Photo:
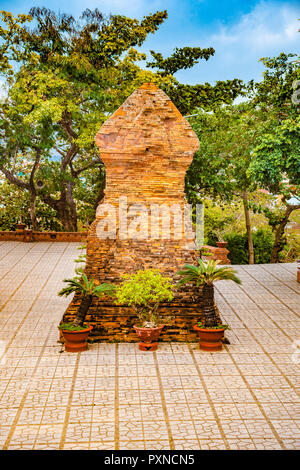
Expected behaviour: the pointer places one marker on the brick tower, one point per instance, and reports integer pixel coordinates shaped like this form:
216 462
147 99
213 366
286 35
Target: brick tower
146 147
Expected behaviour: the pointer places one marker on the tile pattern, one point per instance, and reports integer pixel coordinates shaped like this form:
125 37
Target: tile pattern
114 396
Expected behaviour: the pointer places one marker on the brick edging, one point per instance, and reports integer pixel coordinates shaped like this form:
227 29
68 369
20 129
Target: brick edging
32 236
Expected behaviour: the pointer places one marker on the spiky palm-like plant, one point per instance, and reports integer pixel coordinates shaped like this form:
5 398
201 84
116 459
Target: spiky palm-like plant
88 289
205 275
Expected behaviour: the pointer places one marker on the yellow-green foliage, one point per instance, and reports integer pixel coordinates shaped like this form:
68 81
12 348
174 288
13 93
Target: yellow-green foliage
146 288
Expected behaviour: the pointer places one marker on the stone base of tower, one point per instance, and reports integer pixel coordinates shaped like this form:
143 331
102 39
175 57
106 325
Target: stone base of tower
116 325
113 323
107 260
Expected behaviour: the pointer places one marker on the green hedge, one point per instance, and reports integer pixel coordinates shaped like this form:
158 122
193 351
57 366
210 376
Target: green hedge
238 247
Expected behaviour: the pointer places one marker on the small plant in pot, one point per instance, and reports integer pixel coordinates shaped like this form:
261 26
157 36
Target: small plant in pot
221 242
76 332
144 291
211 330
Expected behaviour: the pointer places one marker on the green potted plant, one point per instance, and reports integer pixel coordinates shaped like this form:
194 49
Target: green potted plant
144 291
221 243
211 330
76 332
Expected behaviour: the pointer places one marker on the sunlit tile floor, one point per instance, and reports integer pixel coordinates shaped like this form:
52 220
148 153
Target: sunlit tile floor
116 397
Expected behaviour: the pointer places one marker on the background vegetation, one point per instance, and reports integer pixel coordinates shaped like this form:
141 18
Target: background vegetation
65 76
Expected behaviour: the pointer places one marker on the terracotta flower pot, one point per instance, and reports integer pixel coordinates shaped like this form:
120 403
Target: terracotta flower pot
20 227
210 339
148 337
76 341
221 244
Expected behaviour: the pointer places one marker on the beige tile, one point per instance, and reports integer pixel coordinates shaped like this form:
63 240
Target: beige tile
46 389
212 444
186 444
131 430
183 430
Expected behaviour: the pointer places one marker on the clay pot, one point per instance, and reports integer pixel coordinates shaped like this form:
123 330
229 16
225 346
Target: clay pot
210 339
20 227
148 337
221 244
76 341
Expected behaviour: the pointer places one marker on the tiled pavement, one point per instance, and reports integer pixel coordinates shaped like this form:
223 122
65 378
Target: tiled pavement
116 397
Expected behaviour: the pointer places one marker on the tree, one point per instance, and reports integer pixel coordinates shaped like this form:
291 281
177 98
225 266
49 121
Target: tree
253 145
71 75
219 169
276 164
276 167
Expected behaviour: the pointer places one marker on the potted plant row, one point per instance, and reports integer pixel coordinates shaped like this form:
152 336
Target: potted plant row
144 291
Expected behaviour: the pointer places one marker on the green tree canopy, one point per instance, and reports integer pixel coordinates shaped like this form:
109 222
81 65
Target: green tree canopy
252 145
65 77
276 158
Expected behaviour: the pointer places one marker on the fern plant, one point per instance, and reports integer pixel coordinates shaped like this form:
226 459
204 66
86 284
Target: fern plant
205 275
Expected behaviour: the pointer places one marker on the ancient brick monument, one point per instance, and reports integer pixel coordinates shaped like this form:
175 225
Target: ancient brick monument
146 147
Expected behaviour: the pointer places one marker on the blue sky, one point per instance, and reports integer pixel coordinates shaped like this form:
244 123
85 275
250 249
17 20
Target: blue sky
240 31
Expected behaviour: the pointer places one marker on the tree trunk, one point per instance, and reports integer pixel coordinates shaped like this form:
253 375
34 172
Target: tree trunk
67 214
83 310
248 228
65 210
32 189
210 315
32 211
278 245
101 192
68 219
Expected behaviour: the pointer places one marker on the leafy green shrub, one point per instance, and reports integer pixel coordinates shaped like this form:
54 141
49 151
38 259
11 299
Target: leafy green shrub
291 250
238 247
144 291
8 221
263 241
71 327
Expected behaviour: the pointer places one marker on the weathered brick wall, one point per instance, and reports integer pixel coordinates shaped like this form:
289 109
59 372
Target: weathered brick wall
220 254
31 236
146 147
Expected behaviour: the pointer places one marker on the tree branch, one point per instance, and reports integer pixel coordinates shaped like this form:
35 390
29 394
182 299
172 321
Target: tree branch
34 168
59 151
76 173
66 125
14 180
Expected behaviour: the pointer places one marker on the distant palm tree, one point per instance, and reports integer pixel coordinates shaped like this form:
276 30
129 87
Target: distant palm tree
205 275
88 289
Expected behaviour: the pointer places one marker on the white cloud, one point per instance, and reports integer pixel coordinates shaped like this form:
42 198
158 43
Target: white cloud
267 30
267 25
